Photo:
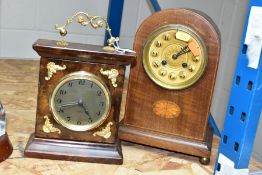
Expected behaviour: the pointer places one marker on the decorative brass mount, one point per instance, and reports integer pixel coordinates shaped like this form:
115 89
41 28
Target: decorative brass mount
112 75
105 132
95 21
48 127
53 68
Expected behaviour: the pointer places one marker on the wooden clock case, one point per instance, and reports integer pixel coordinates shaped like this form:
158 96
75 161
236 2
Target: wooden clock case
189 132
6 147
73 145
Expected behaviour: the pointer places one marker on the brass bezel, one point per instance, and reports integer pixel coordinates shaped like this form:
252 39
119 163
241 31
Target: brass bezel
90 77
174 86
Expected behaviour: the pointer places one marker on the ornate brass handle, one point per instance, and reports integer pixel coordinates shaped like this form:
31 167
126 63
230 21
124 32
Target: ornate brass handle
85 19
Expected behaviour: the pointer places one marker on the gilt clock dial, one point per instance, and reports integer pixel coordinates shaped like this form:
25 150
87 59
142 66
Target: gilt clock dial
174 56
80 101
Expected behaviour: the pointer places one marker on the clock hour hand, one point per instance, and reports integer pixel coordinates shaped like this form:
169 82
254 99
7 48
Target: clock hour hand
184 50
68 105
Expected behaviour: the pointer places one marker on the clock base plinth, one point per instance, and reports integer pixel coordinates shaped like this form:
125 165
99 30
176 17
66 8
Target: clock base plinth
74 151
168 142
6 147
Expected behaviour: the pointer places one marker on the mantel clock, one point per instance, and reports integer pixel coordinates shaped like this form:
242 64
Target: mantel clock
79 97
6 147
171 86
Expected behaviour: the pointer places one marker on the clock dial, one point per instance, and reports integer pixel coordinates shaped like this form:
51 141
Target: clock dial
174 57
80 101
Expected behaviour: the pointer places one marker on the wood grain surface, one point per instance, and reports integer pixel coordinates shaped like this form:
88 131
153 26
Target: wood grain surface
190 127
18 93
46 89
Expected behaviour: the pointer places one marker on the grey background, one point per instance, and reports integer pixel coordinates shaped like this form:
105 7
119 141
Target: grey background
24 21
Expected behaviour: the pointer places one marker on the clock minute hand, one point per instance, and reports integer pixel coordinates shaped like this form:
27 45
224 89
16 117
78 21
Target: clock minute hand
181 52
185 50
86 111
81 103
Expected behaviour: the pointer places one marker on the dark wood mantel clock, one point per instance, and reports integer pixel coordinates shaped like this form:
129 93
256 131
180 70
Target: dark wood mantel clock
171 86
6 147
79 97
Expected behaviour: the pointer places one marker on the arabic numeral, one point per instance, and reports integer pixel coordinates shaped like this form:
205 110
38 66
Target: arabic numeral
62 92
99 93
98 113
102 103
60 110
90 120
81 82
70 84
68 118
59 101
78 122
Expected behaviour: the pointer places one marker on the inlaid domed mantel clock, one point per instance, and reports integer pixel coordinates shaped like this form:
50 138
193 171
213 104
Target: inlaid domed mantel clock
171 86
79 96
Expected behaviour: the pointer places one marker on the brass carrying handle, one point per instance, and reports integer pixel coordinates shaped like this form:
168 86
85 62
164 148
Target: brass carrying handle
85 19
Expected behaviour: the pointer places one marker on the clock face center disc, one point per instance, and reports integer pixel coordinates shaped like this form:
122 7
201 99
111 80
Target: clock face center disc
173 61
174 56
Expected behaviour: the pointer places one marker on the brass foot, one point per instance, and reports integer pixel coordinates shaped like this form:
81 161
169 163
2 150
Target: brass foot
204 160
